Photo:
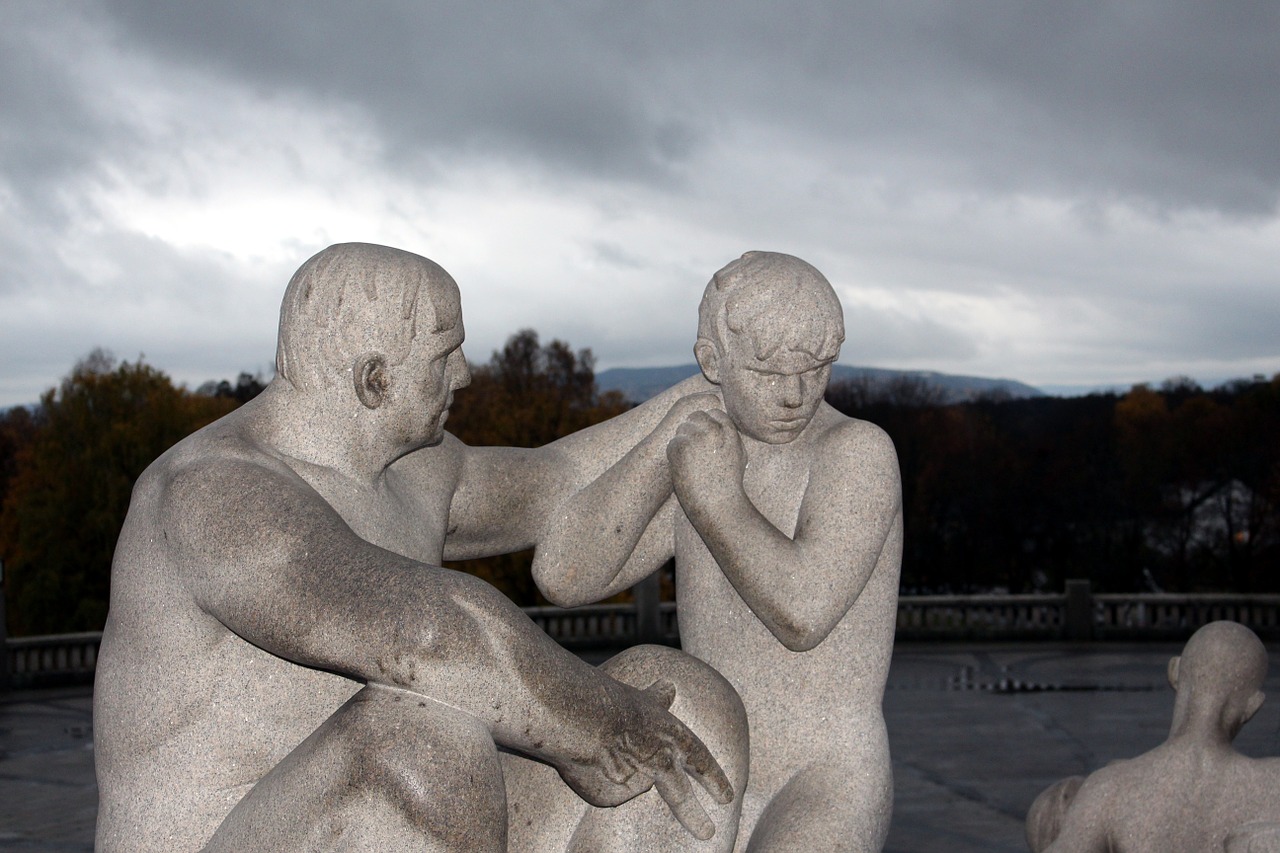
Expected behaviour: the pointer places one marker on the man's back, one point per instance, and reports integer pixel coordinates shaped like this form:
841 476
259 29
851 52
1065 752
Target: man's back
1170 799
191 714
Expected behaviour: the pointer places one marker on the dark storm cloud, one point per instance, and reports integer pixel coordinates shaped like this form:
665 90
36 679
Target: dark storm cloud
1164 105
549 83
51 130
1066 191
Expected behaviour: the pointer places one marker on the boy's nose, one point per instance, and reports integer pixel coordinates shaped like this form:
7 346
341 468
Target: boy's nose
791 392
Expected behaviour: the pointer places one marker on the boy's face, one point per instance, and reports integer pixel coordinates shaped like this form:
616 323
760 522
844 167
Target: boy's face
771 400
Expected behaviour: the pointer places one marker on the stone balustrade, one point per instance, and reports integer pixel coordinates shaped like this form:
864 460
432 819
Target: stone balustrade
1074 615
52 658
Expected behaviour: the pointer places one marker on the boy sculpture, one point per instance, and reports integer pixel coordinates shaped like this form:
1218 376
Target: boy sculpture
784 518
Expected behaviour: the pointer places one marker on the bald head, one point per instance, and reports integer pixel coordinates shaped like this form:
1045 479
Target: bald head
353 299
1223 657
1219 677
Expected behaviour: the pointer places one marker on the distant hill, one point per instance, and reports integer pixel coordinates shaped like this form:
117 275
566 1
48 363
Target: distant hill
640 383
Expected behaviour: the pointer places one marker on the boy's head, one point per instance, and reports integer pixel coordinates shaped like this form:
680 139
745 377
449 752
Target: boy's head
769 327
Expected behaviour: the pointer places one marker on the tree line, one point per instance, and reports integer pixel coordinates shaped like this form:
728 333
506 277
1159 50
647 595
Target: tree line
1174 488
67 465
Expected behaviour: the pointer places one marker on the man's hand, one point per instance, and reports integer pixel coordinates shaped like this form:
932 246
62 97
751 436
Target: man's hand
707 459
642 747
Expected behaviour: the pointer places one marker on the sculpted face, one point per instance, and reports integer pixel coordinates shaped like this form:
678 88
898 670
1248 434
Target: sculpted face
769 328
773 399
422 385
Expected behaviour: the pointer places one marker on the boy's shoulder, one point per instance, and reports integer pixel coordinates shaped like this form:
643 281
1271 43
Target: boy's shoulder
842 436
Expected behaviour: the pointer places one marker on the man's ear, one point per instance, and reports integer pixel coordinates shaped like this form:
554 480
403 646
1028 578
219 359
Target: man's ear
1173 672
708 359
371 379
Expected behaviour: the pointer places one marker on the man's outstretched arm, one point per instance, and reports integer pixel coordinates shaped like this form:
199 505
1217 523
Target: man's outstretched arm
294 580
800 586
617 529
585 500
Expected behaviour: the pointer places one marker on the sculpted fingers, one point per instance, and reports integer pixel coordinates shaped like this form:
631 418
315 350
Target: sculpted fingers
699 764
674 788
720 417
699 402
694 757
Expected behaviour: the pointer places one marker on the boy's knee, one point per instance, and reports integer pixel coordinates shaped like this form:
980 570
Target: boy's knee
705 701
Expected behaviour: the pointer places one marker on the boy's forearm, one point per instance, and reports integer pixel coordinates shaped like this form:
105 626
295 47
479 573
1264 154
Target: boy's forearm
798 588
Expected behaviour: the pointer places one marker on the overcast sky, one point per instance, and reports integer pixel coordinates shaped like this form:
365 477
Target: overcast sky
1064 193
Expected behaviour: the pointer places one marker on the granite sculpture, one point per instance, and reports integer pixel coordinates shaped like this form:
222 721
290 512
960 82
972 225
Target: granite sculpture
784 518
1194 792
285 666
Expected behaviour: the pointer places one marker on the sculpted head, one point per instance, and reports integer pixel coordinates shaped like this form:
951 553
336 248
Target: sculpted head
380 322
1219 675
769 328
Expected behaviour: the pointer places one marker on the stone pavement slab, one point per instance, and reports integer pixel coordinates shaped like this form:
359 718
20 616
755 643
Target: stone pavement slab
48 795
976 731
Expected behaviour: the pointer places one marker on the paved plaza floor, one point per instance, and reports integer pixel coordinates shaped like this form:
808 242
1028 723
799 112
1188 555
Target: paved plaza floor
977 731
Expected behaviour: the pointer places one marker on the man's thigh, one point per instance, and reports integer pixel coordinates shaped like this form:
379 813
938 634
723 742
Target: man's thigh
827 808
388 771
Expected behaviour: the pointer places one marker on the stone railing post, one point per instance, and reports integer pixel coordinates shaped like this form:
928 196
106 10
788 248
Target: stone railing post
648 621
4 637
1079 621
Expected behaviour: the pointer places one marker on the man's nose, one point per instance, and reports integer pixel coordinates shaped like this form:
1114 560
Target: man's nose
461 372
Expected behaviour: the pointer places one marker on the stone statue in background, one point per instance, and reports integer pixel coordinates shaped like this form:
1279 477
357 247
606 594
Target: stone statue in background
784 518
1044 818
1194 792
285 667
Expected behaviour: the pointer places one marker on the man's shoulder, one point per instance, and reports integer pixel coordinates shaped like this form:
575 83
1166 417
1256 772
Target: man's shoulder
1119 779
213 468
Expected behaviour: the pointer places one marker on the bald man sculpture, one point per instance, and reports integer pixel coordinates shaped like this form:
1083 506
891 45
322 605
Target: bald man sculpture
286 668
1194 792
784 518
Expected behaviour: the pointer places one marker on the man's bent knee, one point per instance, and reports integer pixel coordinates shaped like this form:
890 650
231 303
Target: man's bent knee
389 770
709 706
436 766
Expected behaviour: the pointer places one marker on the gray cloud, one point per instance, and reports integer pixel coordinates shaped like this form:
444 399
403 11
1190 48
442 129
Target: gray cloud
1053 191
1169 105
